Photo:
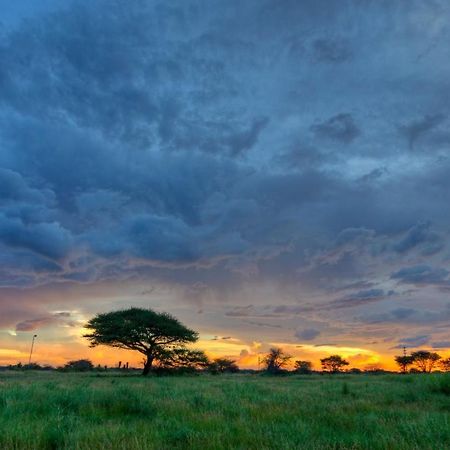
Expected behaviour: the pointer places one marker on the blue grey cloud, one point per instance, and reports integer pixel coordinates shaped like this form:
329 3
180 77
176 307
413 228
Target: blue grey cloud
421 274
420 234
441 345
414 130
341 127
362 298
232 144
307 334
414 341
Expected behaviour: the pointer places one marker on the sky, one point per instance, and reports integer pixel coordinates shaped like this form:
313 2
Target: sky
271 172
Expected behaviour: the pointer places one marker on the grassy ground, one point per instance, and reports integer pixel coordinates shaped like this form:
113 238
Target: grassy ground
75 411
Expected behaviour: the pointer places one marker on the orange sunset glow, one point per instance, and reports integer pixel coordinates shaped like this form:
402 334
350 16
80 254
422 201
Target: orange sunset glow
270 174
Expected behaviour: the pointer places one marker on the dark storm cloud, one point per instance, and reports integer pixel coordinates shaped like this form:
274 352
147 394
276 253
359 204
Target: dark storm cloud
341 128
422 275
47 239
301 156
13 188
420 234
414 341
332 50
374 175
409 316
414 130
361 298
307 334
221 144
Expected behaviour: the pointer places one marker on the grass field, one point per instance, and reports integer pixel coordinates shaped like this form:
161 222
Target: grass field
77 411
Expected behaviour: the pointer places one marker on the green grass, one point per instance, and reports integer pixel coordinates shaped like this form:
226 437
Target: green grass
78 411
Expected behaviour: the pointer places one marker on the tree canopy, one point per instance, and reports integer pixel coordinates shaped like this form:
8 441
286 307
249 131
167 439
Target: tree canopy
425 360
445 364
223 365
333 363
404 361
182 358
146 331
303 367
275 360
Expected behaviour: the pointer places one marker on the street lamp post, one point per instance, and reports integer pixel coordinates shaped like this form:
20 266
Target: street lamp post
31 350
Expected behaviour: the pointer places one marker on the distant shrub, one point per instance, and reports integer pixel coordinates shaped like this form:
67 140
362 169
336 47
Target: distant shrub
223 365
32 366
303 367
376 371
80 365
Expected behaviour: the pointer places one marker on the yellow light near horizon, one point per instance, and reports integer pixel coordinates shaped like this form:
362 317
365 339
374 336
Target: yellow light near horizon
246 354
7 352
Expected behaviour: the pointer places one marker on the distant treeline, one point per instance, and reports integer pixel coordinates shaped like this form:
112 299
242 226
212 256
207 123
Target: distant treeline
275 362
162 340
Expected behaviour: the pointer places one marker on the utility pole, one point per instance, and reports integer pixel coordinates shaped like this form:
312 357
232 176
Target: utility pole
31 350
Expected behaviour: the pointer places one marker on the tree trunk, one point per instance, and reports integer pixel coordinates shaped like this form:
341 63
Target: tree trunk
147 365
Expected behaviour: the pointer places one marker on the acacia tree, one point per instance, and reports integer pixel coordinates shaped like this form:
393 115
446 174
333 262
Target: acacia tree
425 360
275 360
404 361
333 363
445 364
146 331
222 365
303 367
183 358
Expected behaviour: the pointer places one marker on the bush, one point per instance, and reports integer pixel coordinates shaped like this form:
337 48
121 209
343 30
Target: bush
32 366
80 365
223 365
303 367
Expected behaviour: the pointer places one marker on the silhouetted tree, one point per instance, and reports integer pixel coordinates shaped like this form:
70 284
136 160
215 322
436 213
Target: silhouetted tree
143 330
80 365
404 361
182 358
303 367
222 365
445 364
275 360
425 360
333 363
